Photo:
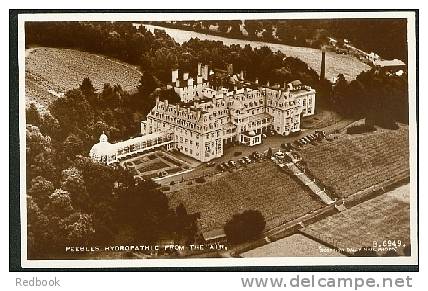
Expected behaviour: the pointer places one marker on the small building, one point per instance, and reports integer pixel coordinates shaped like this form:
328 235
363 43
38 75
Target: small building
391 66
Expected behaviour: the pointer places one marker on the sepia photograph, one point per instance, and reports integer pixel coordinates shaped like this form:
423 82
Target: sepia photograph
207 139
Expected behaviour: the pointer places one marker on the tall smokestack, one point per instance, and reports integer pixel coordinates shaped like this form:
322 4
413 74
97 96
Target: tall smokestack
199 69
322 75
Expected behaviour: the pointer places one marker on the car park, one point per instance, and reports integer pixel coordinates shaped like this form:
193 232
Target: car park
221 168
225 165
297 143
248 160
232 164
210 164
279 155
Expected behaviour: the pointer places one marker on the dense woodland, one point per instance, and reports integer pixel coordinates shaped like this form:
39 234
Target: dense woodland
74 201
386 37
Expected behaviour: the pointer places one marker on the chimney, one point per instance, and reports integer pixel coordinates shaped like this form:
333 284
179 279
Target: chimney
230 69
190 82
157 101
256 81
241 75
166 103
199 69
205 73
177 83
199 80
174 75
322 75
185 76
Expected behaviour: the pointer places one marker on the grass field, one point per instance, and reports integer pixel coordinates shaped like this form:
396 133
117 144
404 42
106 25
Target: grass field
261 186
296 245
352 163
335 63
386 217
50 72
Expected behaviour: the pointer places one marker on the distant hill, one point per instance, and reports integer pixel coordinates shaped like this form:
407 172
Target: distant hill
50 72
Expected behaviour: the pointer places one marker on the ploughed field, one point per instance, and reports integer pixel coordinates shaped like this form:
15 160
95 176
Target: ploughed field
351 163
259 186
384 219
50 72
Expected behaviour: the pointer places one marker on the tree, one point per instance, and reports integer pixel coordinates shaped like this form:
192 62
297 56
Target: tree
32 115
87 88
78 228
59 204
40 189
72 146
72 181
269 153
245 226
38 231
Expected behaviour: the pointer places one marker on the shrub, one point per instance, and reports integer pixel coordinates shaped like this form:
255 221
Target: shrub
361 128
200 180
165 188
245 226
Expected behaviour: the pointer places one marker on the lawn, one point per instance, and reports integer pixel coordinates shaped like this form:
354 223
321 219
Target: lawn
386 217
260 186
156 165
296 245
50 72
352 163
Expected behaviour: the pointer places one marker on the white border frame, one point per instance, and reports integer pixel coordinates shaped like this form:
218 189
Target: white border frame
222 262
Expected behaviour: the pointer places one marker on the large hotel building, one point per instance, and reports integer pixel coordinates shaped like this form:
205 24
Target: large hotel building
206 119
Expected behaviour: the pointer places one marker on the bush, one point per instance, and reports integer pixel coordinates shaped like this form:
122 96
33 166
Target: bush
245 226
172 183
165 188
200 180
360 128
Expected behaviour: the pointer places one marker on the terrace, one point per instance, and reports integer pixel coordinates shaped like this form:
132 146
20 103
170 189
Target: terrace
352 163
261 186
383 218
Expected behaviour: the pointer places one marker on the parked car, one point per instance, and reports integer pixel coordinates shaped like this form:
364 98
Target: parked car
242 162
248 160
279 155
210 164
225 165
256 155
221 168
232 163
162 174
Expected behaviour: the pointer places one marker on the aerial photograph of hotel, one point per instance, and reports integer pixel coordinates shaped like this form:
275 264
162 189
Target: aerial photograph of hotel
218 139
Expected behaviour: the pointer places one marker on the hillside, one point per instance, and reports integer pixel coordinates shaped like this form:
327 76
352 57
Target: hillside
352 163
50 72
260 186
